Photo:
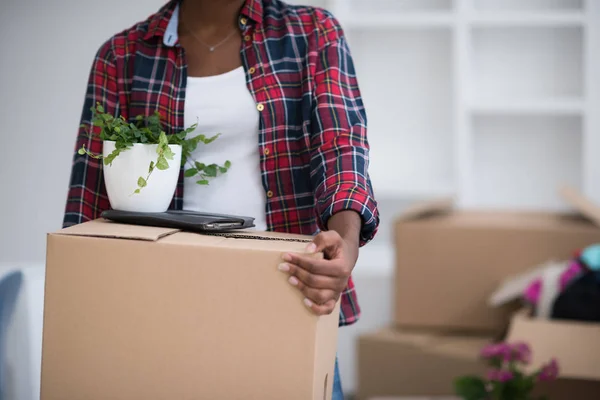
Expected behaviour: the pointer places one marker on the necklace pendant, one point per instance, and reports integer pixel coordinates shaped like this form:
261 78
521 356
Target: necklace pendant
211 49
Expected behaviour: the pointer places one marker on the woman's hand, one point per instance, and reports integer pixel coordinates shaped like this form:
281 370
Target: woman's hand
322 280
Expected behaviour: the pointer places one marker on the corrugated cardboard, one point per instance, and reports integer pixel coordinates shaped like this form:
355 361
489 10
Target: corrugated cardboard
402 363
150 313
574 345
448 262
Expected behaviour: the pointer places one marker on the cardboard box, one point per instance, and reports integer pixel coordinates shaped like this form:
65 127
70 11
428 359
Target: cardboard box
574 344
148 313
407 363
448 262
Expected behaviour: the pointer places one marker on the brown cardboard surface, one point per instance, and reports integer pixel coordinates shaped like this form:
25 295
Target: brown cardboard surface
573 344
402 363
178 316
448 264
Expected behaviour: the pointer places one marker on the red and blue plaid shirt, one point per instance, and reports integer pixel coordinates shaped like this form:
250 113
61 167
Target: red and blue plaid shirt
313 129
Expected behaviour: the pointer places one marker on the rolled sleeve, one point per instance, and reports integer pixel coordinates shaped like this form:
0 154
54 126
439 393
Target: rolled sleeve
339 145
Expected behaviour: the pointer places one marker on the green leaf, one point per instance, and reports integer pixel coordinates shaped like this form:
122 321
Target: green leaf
199 166
227 164
202 182
168 153
141 182
81 151
190 172
211 139
136 191
470 388
162 163
100 108
222 170
211 170
151 167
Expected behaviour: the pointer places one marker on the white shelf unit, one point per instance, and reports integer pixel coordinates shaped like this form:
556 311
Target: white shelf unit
494 101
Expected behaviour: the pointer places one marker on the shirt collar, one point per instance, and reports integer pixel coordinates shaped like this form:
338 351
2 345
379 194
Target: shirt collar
166 21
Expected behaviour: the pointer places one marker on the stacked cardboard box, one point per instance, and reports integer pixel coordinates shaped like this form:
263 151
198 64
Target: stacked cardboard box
148 313
448 264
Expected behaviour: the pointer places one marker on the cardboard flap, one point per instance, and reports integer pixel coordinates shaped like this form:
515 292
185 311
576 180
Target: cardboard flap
107 229
581 203
573 344
260 235
427 208
512 288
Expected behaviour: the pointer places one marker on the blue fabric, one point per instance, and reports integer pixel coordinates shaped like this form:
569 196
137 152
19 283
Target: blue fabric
337 384
591 257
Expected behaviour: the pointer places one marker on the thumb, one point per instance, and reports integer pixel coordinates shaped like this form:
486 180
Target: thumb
321 242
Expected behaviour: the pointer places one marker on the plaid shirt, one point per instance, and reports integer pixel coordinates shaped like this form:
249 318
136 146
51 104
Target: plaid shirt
312 138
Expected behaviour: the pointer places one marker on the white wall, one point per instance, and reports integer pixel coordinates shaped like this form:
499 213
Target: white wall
47 49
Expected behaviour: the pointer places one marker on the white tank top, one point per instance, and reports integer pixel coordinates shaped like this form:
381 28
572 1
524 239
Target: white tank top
222 104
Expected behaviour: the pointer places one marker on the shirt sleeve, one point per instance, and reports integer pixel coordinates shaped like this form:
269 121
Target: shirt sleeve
339 146
86 198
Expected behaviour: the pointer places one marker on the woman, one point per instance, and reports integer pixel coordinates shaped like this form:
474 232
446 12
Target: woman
278 82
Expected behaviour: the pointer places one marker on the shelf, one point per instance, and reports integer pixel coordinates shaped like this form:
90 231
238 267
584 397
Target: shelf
407 90
519 162
528 5
527 63
530 19
415 191
396 20
520 107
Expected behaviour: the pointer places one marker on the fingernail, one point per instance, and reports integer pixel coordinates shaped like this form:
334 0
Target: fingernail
308 303
287 257
283 267
311 248
293 281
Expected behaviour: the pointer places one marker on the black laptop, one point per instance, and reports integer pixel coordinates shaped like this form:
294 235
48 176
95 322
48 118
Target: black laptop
184 220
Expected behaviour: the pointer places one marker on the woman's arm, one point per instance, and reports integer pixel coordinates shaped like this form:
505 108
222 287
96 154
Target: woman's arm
87 197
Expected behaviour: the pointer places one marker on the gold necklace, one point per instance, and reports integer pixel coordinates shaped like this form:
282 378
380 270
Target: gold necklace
213 47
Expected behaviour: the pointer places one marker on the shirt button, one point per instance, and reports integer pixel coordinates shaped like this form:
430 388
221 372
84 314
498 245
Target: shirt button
260 106
251 70
266 151
247 38
243 21
270 194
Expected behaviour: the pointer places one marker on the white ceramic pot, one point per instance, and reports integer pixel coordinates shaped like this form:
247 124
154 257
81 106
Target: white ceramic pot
122 176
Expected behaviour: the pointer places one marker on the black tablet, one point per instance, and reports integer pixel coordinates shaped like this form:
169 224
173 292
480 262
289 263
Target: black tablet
184 220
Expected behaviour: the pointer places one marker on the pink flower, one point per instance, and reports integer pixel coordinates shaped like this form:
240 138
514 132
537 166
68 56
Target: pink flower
507 352
549 371
499 350
521 352
499 375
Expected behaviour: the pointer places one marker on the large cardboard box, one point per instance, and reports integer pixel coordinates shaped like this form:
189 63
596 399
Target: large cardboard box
575 347
150 313
448 262
409 363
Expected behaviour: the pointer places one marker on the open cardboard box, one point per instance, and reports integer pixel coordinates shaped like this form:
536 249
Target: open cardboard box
575 345
449 261
136 312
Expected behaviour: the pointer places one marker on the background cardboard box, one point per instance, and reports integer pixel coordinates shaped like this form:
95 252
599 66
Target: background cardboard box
149 313
448 262
406 363
573 344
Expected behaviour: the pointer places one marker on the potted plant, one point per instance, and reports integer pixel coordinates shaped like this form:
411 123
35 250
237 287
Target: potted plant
141 163
506 378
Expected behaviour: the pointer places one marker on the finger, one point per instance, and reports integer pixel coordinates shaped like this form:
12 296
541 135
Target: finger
323 241
320 309
318 296
317 266
302 279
